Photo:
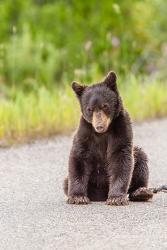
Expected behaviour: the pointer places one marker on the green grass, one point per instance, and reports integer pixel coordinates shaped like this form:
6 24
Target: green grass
145 101
35 115
48 112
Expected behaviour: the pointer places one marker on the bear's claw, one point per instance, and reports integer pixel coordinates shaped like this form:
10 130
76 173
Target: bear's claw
118 201
78 200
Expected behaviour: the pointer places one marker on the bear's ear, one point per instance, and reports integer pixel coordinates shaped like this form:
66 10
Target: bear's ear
110 81
78 89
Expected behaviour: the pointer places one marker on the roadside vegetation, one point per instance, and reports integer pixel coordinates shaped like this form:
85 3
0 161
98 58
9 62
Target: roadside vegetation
45 44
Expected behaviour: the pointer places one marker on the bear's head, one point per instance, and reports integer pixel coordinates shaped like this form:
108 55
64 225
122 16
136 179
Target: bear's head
100 103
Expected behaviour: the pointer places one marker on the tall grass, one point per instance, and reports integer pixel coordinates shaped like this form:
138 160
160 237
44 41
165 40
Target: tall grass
33 115
146 100
47 112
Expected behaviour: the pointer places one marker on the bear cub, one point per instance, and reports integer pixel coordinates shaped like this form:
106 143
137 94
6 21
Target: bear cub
104 165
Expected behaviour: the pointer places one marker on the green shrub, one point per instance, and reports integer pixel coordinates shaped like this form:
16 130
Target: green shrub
43 42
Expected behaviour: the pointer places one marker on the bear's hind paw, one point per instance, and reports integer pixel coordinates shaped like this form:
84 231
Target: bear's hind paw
141 194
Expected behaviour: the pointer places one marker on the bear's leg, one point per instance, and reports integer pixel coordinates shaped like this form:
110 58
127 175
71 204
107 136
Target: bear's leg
65 186
138 190
73 200
78 178
119 171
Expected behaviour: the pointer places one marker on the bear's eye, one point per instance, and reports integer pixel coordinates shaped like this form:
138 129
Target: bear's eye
105 106
89 110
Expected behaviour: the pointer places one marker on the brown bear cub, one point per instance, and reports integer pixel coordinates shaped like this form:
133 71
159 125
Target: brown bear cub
103 164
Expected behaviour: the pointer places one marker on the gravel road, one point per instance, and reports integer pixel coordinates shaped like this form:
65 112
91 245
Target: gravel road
34 215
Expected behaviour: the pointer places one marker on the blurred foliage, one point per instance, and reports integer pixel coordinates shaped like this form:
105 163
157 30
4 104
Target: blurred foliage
46 42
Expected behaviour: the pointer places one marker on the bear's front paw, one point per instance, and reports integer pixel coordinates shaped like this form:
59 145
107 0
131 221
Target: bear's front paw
118 201
78 200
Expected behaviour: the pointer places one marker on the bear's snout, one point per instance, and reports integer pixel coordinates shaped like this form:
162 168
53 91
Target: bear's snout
100 121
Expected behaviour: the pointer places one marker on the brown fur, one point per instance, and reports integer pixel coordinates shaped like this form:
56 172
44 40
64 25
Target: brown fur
103 164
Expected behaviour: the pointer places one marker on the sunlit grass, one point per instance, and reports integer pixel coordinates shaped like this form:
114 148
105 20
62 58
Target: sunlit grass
37 115
48 112
145 100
